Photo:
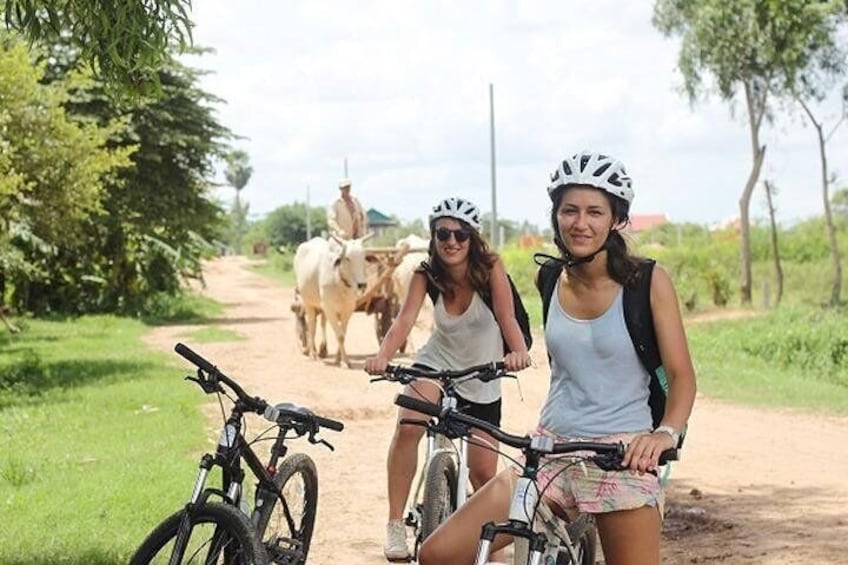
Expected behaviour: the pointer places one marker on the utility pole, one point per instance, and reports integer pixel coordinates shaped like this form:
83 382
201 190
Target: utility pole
494 238
308 216
345 168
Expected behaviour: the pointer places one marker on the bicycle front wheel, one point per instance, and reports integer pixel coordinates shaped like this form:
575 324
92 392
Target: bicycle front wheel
214 533
439 493
286 518
585 534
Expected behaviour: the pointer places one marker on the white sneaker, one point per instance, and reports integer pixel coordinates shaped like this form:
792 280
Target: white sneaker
396 549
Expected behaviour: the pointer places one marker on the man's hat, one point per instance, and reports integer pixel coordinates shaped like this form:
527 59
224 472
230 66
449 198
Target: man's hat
344 183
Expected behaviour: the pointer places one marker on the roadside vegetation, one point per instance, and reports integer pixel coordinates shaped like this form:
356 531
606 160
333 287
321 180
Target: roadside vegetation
91 418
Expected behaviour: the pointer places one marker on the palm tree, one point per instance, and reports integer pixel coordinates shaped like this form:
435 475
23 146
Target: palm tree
238 175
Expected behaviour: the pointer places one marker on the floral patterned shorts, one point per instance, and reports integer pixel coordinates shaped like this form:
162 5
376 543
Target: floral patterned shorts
588 488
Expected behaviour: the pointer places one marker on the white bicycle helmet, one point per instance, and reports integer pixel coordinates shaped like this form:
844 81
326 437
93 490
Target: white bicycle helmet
459 209
593 169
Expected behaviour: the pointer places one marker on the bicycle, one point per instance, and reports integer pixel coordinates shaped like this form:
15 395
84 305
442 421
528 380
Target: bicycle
280 526
442 485
560 541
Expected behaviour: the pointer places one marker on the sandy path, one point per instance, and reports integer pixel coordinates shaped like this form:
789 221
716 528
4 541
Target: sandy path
755 486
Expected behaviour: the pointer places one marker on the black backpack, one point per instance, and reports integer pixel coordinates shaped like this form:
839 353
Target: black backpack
639 321
520 313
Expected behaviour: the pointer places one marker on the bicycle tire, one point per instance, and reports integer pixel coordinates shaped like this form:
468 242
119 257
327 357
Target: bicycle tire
286 539
583 530
239 544
439 500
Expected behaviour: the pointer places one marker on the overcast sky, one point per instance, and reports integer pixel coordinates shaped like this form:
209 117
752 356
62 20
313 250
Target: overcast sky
401 89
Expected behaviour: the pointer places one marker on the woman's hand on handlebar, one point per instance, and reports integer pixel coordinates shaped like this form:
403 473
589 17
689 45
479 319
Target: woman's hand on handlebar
376 365
515 361
643 452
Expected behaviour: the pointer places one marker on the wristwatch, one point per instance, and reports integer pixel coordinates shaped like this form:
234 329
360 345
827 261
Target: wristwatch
675 435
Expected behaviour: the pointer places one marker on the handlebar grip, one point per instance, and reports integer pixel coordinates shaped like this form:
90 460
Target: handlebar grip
334 425
418 405
193 357
668 455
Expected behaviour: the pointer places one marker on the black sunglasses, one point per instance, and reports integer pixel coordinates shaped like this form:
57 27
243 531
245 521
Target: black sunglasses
461 235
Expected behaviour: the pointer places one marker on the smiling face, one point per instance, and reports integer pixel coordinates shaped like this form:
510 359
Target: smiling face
451 251
584 218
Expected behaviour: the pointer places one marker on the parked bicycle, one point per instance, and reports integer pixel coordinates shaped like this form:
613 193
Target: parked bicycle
278 529
560 541
443 482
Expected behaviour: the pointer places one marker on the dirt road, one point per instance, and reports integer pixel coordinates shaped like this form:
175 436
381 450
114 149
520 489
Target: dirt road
754 486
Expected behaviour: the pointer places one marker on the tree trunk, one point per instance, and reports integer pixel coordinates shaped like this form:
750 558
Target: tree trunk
756 110
778 269
836 287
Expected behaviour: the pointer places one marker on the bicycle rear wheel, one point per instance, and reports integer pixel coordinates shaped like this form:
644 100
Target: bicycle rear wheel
439 500
218 533
286 518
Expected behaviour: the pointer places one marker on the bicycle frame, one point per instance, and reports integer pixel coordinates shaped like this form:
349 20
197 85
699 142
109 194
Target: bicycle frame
439 443
232 449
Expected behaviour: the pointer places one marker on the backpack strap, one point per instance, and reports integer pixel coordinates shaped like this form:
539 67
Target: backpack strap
546 282
521 315
640 325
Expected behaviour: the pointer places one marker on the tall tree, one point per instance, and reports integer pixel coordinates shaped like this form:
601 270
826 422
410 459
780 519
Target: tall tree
126 41
758 48
54 171
238 174
775 248
826 180
158 217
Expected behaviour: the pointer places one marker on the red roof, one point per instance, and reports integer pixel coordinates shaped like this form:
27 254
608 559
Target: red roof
642 222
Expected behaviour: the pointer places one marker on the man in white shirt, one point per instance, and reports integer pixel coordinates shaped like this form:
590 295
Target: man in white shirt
346 217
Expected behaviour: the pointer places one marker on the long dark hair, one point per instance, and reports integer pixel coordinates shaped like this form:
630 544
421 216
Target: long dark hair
621 264
480 262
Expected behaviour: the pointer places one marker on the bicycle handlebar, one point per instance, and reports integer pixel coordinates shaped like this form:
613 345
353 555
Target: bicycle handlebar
279 414
523 443
484 372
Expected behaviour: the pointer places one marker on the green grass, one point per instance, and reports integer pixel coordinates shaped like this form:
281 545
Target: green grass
277 267
790 358
210 334
100 440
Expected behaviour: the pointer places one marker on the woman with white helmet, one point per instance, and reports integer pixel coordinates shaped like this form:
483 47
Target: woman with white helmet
466 333
601 387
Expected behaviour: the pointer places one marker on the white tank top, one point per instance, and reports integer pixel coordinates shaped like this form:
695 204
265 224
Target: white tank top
458 342
598 386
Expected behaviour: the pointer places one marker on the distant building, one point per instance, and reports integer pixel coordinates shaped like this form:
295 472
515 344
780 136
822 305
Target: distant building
640 223
379 222
732 223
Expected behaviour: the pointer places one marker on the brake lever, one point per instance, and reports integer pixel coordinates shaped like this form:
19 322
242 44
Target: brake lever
205 382
316 440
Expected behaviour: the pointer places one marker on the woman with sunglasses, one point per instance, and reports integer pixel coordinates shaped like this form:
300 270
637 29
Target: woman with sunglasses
466 333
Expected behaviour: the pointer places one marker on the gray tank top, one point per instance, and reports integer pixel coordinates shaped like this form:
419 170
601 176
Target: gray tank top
458 342
598 386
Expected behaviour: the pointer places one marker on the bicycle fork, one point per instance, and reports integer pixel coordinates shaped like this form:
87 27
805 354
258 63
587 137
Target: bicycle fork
521 511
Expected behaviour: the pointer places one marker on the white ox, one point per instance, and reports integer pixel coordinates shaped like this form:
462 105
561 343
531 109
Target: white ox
403 276
330 275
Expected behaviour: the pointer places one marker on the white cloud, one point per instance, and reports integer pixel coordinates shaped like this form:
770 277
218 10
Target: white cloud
401 88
